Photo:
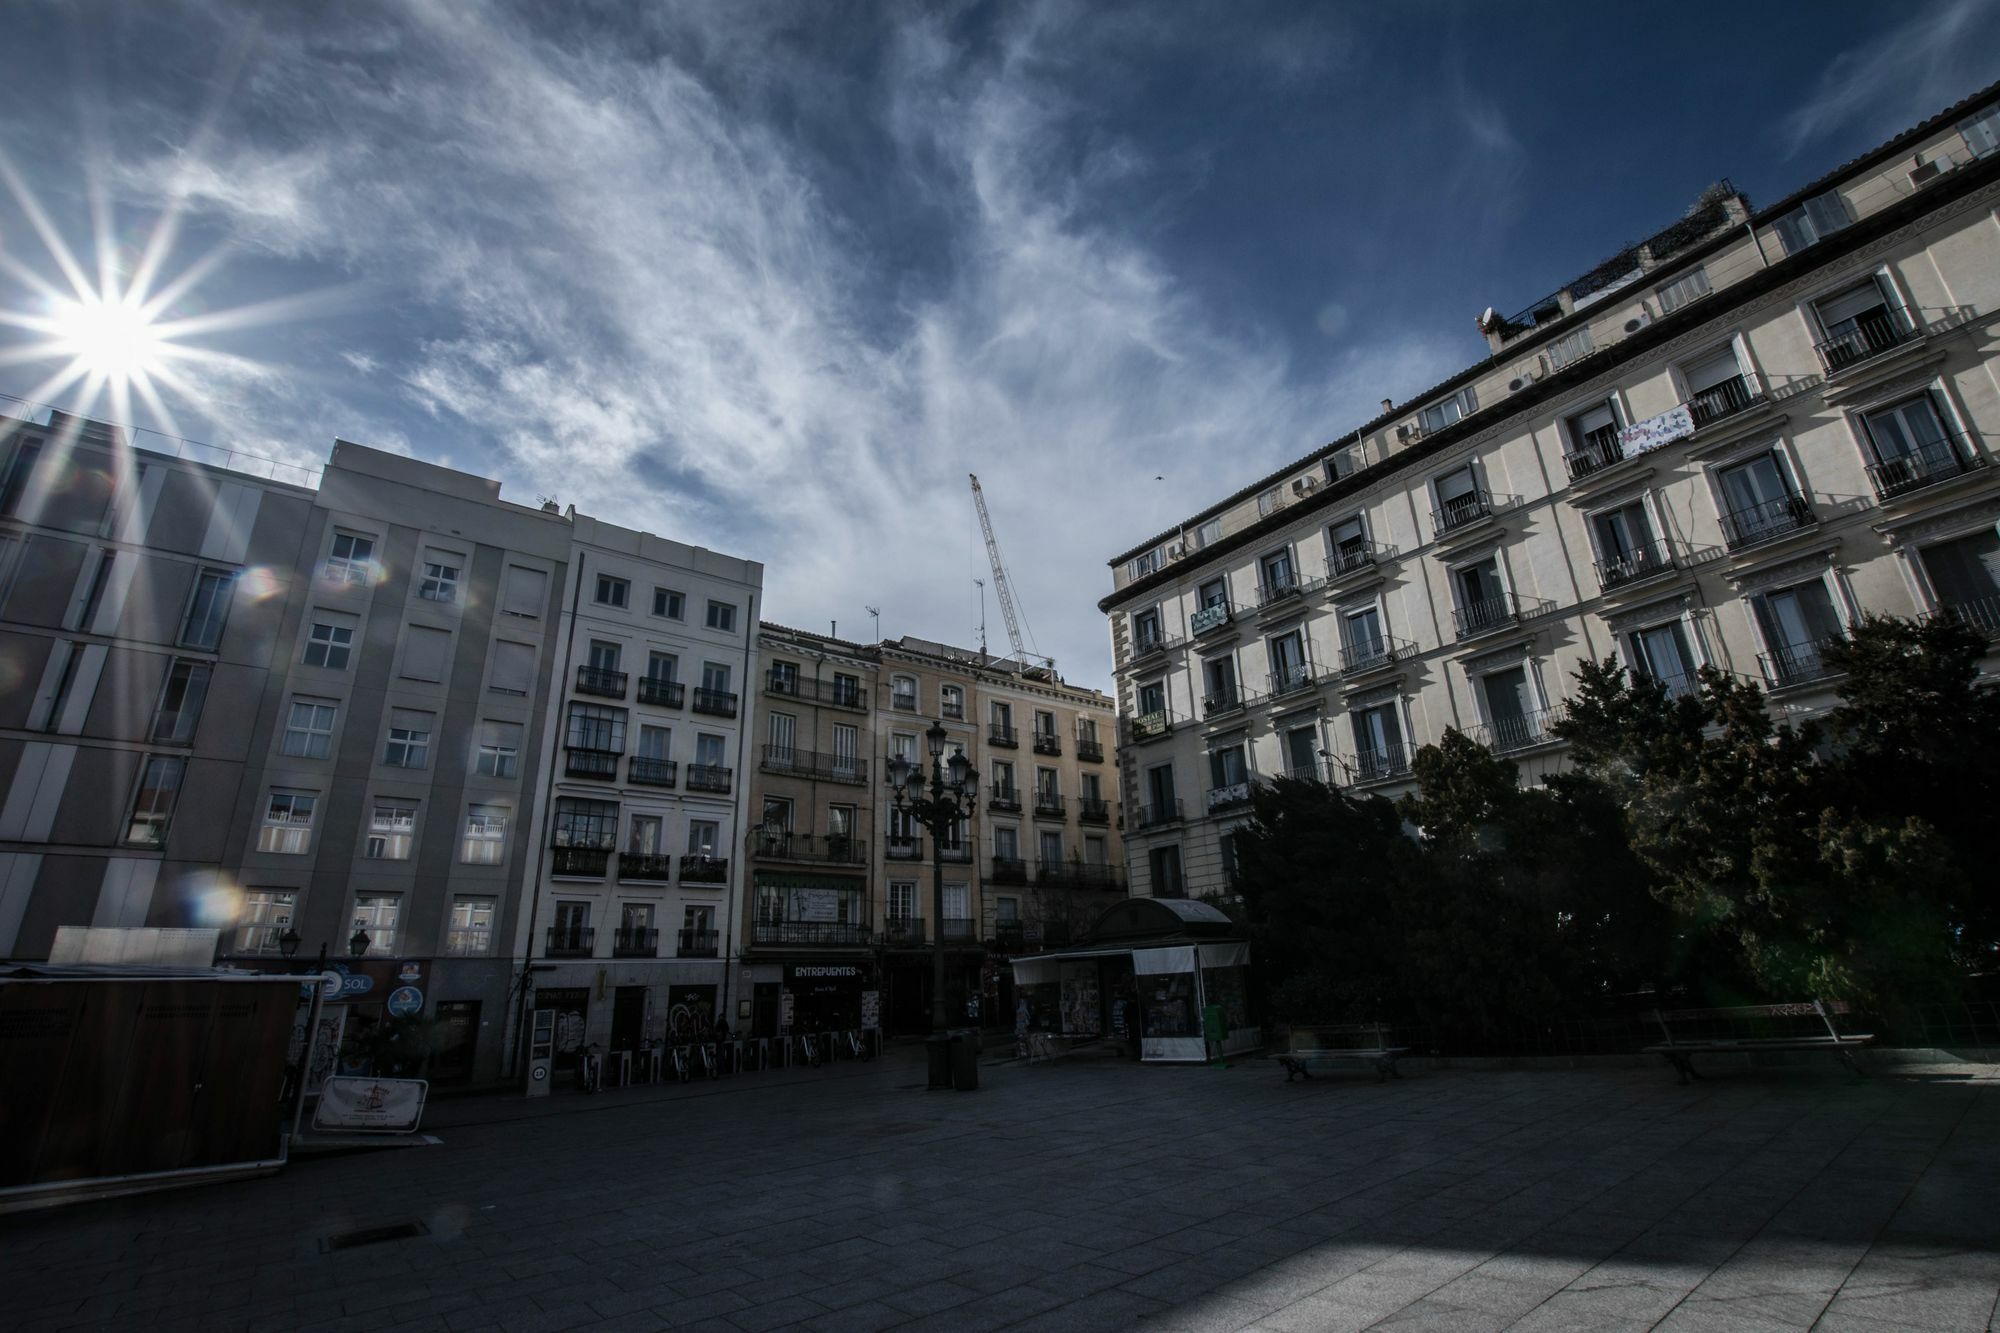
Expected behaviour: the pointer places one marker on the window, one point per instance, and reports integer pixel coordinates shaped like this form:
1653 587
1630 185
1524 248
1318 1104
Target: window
1208 533
1347 544
604 656
287 828
902 900
715 677
1361 635
613 591
780 735
1090 787
721 615
1226 768
1796 623
1661 653
951 700
470 933
309 729
1050 850
708 751
1160 790
703 835
840 823
1095 849
1909 434
1302 752
1818 217
1003 777
846 749
698 921
440 581
596 727
425 652
903 745
352 560
1965 578
1268 500
1002 716
1624 543
588 824
1218 680
377 914
1086 730
409 739
1595 430
1276 571
655 742
1214 593
1378 742
1482 602
1690 286
1165 863
513 667
668 603
1006 844
1758 499
1045 722
1046 784
1510 709
1007 910
153 800
1143 564
525 592
20 468
208 609
1145 630
1859 321
499 750
647 836
1152 698
485 838
1439 415
93 597
1570 347
1982 132
662 667
392 828
846 689
180 704
1289 668
265 915
329 642
1458 497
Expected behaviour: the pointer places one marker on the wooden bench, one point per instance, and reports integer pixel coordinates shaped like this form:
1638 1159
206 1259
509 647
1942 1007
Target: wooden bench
1325 1047
1751 1028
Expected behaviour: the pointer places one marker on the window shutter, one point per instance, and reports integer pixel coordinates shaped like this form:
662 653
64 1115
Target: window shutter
513 666
425 652
526 592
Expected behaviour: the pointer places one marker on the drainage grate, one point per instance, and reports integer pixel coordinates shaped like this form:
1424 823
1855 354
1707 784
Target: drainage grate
348 1240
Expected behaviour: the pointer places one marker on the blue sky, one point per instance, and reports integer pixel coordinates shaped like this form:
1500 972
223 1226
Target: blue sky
772 278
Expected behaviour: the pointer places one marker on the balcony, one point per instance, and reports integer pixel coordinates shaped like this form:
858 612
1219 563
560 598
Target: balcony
1007 870
1090 752
1461 511
1797 664
1003 736
903 931
648 867
899 848
1386 763
1365 655
1743 528
1079 875
1874 332
1486 615
704 870
783 682
716 703
570 941
1281 591
961 854
834 849
581 862
959 930
635 942
1004 798
1091 810
1291 680
1938 461
599 764
839 692
696 944
814 764
1221 702
1599 450
1522 732
952 709
1149 726
1981 615
1046 742
1232 797
648 772
903 703
1146 645
1157 815
597 680
661 692
710 778
1048 805
818 934
1010 936
1721 401
1641 563
1211 617
1352 558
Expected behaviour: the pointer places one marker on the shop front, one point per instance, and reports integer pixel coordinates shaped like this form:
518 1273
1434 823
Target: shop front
1148 970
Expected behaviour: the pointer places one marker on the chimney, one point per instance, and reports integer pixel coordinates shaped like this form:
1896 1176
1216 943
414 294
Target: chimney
1388 405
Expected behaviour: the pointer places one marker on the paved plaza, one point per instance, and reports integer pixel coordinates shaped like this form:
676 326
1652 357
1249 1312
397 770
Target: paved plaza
1087 1195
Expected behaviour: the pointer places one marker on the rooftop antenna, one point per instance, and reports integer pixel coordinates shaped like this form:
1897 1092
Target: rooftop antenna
876 612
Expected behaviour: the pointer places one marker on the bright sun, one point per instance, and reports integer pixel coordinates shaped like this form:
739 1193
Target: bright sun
112 338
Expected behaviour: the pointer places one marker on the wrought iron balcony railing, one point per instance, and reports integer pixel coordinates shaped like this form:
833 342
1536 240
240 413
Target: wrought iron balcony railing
1461 511
696 944
635 942
1048 804
1083 875
815 933
1599 450
1523 731
1157 814
1761 523
1218 702
661 692
650 867
1486 615
582 763
1384 763
959 930
899 848
830 849
1722 400
570 941
1291 680
1008 870
1046 742
1004 798
903 931
1938 461
1090 752
598 681
704 870
961 853
1148 644
795 762
644 771
709 777
1873 333
1003 736
1353 557
586 862
1797 663
837 692
1359 655
1092 810
1636 566
716 703
1284 589
1980 614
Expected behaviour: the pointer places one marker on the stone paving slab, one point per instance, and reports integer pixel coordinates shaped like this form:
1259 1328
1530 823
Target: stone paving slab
1085 1196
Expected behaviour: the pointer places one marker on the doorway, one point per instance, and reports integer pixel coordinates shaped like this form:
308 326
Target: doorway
628 1017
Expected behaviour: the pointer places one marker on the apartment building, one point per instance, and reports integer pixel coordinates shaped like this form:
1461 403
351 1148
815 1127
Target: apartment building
1717 448
635 878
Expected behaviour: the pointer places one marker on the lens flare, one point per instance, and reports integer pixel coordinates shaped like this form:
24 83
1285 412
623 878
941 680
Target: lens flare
114 339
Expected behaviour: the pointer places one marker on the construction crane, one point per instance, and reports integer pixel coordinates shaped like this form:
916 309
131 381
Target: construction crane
1001 587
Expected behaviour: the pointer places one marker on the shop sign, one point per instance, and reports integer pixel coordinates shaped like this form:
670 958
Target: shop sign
374 978
371 1105
822 971
406 1000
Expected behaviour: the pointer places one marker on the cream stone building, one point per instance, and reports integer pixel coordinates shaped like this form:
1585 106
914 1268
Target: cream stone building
1718 448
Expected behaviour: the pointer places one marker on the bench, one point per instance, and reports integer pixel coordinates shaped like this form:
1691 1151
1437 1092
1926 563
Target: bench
1751 1028
1323 1048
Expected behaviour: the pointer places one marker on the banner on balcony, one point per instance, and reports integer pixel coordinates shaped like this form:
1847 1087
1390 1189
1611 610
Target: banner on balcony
816 905
1673 424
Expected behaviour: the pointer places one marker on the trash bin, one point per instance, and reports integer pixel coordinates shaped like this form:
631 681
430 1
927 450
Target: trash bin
1214 1031
965 1059
938 1047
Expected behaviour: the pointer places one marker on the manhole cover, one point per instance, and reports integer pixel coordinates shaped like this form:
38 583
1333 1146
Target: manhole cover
348 1240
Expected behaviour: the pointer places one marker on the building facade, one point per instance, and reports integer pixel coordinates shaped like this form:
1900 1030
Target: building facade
1718 448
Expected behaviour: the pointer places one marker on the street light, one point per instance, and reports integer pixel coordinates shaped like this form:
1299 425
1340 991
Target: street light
358 942
288 943
953 794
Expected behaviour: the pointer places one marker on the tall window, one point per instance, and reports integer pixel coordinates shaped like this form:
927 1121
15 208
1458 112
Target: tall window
1165 863
1378 740
1003 779
1152 698
662 667
703 836
903 693
1439 415
647 835
1145 629
596 727
20 468
328 644
668 603
208 609
902 900
181 699
1661 653
392 827
715 677
499 750
352 560
951 700
409 743
588 824
1687 287
309 729
470 934
709 751
153 800
378 914
485 840
1006 843
265 915
613 591
722 616
655 742
440 582
287 827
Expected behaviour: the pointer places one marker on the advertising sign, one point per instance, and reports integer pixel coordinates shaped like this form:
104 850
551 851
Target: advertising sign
365 979
371 1105
816 905
406 1000
1671 425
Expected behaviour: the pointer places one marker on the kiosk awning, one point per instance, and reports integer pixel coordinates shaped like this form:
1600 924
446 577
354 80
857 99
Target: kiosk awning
1042 968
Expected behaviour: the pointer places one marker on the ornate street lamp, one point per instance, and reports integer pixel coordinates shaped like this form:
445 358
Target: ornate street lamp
358 942
952 796
288 943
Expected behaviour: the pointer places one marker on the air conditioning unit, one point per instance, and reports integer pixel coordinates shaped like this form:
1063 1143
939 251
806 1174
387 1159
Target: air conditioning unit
1305 486
1176 550
1926 172
1524 376
1408 431
1639 321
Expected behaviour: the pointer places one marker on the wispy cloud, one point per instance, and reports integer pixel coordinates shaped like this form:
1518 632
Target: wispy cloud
1907 73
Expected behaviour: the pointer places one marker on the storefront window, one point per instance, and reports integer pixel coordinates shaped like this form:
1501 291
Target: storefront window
1168 1000
1229 987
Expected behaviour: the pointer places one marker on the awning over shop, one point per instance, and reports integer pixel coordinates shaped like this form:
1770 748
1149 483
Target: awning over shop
1234 953
1163 962
1044 969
